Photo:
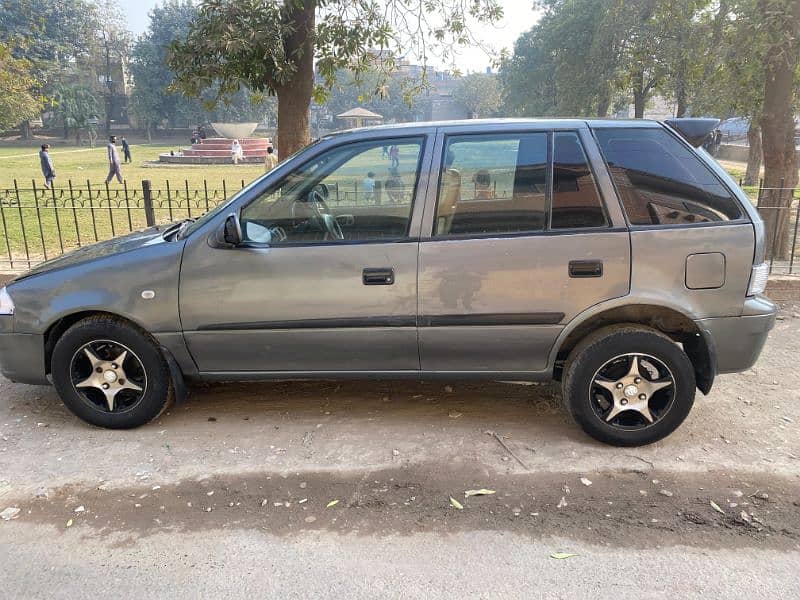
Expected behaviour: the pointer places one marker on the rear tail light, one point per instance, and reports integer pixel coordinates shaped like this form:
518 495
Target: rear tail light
758 279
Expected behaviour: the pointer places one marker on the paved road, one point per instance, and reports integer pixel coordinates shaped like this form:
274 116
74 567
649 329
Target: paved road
229 494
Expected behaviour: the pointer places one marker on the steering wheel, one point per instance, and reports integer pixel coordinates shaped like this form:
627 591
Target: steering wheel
321 212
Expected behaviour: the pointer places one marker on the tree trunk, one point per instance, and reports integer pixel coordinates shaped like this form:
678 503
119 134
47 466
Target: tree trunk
680 92
603 103
149 131
753 154
294 99
27 132
639 96
777 123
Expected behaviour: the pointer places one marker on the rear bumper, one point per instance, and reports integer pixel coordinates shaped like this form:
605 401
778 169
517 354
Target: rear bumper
22 358
737 341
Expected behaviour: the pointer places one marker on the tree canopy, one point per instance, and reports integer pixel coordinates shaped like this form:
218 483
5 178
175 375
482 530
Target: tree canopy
272 47
18 98
479 94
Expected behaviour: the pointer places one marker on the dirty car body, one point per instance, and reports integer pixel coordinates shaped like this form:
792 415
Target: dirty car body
581 251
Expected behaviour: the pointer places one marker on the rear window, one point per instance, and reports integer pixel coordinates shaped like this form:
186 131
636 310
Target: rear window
661 181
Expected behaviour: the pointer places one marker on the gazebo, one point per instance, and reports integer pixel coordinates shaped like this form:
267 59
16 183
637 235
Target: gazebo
360 117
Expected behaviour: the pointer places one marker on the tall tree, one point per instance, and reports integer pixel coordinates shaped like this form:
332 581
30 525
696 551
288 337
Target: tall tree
479 93
152 99
110 55
781 27
51 36
270 46
18 98
76 105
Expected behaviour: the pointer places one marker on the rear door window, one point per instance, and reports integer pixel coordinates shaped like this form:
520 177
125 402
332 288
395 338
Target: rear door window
661 181
576 202
493 184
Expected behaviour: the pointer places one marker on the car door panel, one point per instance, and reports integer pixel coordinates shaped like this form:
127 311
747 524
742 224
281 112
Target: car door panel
523 283
317 305
496 302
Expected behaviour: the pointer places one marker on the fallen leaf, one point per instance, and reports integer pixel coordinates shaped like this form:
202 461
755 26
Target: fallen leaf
332 503
456 504
586 481
480 492
562 555
69 523
716 507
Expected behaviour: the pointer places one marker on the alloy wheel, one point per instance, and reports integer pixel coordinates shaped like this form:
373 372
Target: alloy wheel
632 391
108 376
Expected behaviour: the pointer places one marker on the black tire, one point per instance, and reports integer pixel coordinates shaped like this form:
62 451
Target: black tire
157 390
584 400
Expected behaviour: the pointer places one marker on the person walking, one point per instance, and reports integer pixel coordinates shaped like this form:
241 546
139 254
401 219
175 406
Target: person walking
113 160
126 150
271 160
48 170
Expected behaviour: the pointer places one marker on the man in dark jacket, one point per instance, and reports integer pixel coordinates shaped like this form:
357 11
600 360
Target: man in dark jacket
48 170
113 160
126 149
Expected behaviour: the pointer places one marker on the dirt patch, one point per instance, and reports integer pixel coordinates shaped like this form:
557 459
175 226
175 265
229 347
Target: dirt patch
631 509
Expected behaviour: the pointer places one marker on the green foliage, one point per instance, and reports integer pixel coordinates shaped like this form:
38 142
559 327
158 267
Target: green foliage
396 99
76 105
479 94
18 100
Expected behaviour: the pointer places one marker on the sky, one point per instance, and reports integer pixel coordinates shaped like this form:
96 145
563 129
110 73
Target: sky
519 16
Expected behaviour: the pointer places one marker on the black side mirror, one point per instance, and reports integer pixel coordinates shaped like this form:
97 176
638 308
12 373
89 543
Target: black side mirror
230 234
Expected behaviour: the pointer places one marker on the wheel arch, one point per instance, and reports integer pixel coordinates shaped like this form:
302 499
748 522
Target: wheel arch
58 327
674 323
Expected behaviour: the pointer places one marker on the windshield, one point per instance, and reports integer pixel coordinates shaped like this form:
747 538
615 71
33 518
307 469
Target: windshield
223 206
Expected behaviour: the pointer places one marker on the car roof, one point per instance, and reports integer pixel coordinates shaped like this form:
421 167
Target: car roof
505 123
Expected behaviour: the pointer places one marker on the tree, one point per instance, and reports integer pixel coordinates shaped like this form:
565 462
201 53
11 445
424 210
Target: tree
780 23
110 53
479 93
18 100
76 105
152 99
394 98
51 36
270 46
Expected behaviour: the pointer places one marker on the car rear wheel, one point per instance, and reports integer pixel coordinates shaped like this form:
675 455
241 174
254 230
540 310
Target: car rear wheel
628 385
110 373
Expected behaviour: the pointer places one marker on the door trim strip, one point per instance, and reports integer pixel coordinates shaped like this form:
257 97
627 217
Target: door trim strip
476 320
491 319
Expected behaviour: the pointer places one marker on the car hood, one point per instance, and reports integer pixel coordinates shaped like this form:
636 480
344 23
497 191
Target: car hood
118 245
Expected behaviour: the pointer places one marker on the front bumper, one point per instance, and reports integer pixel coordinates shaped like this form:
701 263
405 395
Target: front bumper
737 341
22 358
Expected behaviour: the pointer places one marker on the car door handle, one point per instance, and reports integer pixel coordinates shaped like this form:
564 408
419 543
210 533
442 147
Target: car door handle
383 276
585 268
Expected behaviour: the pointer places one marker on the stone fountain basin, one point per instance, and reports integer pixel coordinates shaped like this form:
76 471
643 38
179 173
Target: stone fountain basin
234 130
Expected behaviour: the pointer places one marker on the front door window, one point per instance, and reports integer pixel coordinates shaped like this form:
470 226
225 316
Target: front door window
357 192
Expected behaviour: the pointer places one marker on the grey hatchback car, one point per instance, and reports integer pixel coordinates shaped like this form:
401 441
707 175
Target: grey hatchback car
613 256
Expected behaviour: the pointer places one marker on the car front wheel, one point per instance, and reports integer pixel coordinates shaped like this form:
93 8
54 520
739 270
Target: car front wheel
628 385
111 374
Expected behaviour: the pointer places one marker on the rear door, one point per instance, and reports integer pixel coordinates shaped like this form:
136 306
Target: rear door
516 241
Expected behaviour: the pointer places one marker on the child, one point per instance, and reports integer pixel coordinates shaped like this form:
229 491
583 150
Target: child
369 187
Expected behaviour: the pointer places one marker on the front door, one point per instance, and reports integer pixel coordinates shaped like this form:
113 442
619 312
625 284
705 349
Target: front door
326 279
520 243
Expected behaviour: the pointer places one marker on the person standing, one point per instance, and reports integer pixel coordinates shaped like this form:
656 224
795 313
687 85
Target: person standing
126 149
271 160
113 160
394 156
48 170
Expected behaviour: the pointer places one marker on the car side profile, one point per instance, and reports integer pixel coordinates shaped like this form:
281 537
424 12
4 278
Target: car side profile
613 256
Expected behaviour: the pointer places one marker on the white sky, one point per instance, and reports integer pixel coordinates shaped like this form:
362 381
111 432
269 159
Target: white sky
519 17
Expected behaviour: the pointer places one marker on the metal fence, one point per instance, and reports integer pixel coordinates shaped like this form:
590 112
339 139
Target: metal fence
41 223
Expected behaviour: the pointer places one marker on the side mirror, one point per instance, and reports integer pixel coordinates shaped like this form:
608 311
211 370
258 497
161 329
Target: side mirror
230 234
